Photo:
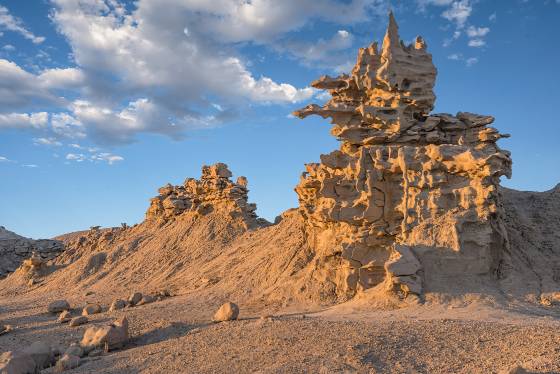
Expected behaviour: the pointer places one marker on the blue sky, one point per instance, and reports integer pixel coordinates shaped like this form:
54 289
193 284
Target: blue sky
103 101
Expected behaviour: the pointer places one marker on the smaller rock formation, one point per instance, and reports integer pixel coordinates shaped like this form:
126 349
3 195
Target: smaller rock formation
58 306
110 337
214 191
227 312
67 362
15 248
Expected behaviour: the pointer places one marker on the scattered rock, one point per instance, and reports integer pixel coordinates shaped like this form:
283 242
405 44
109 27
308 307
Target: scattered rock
91 309
227 312
135 298
67 362
4 329
74 350
17 362
146 299
78 321
65 316
112 336
96 353
58 306
41 353
117 305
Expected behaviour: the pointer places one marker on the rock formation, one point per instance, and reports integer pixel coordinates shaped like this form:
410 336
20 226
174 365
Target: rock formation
14 249
410 195
214 191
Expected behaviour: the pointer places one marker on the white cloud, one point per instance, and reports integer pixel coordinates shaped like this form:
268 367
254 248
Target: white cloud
30 166
493 16
94 157
11 23
476 43
4 159
47 141
19 88
477 32
459 12
8 47
61 78
24 121
471 61
455 57
322 53
159 69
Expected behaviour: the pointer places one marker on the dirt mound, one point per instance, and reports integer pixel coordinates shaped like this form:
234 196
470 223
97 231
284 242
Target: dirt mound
532 220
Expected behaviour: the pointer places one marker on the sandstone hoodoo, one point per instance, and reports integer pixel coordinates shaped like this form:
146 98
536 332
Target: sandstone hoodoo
214 191
411 196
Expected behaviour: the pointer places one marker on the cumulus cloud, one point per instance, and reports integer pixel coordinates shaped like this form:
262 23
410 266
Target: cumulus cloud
323 52
148 68
47 141
459 12
24 120
11 23
476 43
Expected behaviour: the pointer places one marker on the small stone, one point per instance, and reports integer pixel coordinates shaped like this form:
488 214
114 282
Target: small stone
58 306
146 299
67 362
4 329
96 353
112 336
135 298
17 362
117 305
77 321
74 350
227 312
91 309
65 316
41 353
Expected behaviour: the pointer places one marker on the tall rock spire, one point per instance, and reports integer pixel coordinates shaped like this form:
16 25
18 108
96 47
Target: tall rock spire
405 183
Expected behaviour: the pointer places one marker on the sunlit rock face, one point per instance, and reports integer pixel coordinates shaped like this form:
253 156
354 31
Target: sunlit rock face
410 196
213 192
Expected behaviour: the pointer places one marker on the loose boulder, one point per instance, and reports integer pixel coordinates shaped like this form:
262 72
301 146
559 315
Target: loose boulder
117 304
78 321
41 353
135 298
64 317
67 362
112 336
91 309
147 299
58 306
227 312
15 362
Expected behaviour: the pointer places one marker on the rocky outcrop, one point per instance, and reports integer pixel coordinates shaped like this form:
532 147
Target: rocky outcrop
14 249
409 194
214 191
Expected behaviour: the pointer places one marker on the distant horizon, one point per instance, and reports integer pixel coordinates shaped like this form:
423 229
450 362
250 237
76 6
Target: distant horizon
101 105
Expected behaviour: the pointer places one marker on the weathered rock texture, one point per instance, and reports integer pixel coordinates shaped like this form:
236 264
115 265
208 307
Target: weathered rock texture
214 191
409 194
14 249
